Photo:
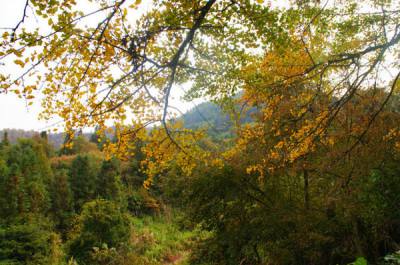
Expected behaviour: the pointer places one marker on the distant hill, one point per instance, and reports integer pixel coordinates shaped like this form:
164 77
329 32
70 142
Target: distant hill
211 116
206 115
56 139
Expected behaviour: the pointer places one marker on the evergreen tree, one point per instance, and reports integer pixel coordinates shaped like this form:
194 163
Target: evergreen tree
43 140
5 141
26 179
62 200
12 192
109 181
43 135
28 242
83 179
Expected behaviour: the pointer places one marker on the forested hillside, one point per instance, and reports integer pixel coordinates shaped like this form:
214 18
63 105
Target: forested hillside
76 206
82 209
55 139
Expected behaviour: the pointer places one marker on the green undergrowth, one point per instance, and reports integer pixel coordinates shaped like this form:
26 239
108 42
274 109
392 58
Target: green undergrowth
161 240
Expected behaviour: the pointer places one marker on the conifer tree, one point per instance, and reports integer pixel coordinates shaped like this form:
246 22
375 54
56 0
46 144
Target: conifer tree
62 200
5 141
83 178
26 183
109 181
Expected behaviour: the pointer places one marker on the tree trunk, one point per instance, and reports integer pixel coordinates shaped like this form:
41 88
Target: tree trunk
306 191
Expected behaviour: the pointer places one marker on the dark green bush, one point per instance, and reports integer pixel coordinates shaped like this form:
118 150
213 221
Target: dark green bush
101 224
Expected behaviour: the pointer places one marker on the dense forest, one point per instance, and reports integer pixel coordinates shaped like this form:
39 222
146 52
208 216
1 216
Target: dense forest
76 206
292 158
79 208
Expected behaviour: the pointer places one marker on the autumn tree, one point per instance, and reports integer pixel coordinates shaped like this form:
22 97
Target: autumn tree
320 74
341 47
325 207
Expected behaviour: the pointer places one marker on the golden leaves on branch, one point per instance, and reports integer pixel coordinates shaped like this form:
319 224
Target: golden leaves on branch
291 120
184 151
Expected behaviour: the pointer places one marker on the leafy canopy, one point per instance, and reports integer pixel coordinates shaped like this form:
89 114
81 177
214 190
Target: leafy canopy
127 63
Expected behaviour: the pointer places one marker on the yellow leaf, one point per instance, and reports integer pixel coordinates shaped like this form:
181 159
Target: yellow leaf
19 62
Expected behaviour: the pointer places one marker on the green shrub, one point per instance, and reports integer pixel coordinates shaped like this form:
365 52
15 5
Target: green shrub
30 244
101 224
